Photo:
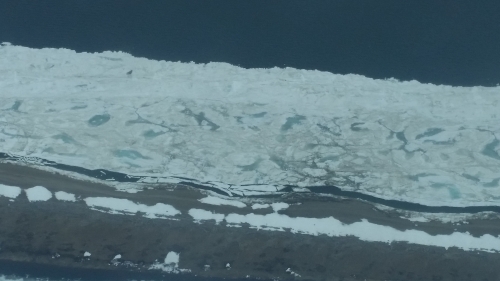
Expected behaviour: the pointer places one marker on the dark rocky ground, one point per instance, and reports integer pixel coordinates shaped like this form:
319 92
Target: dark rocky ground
35 232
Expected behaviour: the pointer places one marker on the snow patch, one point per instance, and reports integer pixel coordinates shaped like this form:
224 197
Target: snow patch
364 230
279 206
127 207
87 254
64 196
9 191
170 264
260 206
417 219
202 215
38 193
219 201
172 258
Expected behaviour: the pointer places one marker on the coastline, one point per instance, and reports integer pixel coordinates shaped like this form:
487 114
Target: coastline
35 231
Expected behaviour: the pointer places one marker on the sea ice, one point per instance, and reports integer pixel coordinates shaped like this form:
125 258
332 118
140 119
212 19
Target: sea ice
252 131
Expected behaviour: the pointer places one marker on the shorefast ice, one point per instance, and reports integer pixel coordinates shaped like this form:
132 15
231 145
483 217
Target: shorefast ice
9 191
364 230
251 130
124 206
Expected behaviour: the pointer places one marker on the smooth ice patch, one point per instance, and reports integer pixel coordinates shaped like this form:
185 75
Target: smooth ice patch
125 206
38 193
9 191
219 201
64 196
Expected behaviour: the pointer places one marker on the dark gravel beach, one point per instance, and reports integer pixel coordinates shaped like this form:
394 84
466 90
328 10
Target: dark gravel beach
35 232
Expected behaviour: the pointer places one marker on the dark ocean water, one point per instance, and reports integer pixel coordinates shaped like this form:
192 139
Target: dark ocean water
453 42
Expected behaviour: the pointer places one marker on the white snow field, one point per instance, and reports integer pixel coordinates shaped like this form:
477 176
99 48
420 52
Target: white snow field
250 131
